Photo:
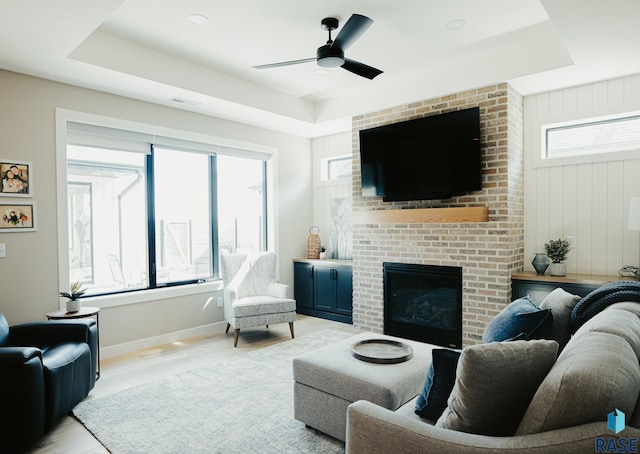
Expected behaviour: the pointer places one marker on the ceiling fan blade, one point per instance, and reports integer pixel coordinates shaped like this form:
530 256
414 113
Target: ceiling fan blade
285 63
361 69
352 31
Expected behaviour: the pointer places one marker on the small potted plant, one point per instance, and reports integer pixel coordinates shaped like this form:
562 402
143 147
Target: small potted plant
557 251
74 293
323 252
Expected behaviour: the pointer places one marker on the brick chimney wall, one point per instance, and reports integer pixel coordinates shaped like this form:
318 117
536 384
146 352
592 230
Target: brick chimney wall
488 252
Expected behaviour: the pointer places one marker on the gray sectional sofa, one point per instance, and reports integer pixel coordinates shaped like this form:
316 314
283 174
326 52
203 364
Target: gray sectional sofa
582 394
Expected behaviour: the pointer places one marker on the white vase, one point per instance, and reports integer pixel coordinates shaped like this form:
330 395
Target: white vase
558 269
73 306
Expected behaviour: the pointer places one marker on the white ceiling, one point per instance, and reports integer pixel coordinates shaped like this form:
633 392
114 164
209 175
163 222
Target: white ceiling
146 49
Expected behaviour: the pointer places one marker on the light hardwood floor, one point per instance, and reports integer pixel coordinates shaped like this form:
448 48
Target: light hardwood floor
145 366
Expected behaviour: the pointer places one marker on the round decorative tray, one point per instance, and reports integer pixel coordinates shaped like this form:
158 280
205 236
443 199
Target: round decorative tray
381 351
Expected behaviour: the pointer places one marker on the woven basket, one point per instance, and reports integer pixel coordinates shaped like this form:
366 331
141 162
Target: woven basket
313 243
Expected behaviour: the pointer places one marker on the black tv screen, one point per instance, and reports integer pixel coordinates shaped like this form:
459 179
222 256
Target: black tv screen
434 157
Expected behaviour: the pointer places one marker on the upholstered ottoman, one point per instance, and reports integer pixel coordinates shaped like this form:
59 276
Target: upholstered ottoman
329 379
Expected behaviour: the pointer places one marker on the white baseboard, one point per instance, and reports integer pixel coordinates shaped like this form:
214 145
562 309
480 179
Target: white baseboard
149 342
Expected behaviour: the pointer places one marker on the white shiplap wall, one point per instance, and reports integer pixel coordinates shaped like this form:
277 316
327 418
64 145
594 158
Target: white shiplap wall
324 147
585 200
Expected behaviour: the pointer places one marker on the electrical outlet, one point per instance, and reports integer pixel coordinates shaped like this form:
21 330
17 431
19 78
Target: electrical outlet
219 302
3 250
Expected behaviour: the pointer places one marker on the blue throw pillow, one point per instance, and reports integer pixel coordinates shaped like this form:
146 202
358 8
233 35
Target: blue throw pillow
440 380
521 319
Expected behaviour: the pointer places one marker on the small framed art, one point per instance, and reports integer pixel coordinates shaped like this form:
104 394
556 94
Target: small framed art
18 217
16 178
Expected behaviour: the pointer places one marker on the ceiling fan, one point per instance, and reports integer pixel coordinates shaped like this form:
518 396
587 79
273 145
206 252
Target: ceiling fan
331 55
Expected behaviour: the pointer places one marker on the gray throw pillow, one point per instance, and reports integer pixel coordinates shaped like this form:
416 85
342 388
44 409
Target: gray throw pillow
597 372
561 304
522 320
494 385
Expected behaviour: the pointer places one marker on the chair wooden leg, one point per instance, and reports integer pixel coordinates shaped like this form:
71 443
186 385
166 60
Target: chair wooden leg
291 329
235 337
227 330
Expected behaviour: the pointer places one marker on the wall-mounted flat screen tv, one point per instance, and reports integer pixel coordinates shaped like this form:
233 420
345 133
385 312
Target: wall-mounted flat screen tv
434 157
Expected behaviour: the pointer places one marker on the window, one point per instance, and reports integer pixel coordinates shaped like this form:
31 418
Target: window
241 204
148 212
336 168
106 193
182 201
593 136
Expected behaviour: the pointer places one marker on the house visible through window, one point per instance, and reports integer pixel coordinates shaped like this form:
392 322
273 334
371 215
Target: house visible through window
157 215
593 136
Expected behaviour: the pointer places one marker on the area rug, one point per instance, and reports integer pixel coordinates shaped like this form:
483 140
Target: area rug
241 406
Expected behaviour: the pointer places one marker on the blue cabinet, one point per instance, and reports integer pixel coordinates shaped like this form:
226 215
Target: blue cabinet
324 289
303 285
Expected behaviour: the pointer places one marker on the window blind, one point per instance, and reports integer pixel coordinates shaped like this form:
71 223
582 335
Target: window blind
95 136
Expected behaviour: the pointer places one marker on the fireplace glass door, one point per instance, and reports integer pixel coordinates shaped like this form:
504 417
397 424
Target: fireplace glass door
423 303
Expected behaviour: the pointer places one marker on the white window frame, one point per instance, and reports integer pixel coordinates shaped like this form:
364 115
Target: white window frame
63 116
324 167
543 124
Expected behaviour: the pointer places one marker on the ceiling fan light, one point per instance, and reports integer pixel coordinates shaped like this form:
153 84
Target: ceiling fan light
329 57
330 62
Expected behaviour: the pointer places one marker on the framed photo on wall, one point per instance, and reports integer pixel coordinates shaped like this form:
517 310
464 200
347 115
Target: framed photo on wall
18 217
17 178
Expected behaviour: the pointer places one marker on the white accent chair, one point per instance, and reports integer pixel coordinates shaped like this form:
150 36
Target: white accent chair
252 296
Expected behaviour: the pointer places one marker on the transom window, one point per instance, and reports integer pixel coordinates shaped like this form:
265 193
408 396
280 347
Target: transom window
593 136
144 212
336 168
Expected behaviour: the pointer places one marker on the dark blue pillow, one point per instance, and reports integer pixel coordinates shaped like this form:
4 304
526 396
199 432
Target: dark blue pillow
440 380
521 319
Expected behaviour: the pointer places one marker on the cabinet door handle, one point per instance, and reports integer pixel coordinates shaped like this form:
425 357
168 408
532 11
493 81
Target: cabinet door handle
311 271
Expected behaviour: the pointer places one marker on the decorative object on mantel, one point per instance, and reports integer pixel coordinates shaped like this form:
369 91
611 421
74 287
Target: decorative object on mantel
313 243
540 263
557 251
75 292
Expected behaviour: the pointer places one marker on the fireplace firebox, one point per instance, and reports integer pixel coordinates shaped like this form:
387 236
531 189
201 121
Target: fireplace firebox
423 303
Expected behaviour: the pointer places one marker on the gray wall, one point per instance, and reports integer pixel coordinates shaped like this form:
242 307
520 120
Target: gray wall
29 274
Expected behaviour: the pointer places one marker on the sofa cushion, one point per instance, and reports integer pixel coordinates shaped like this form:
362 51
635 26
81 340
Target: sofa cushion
601 362
437 388
561 304
262 305
494 385
521 319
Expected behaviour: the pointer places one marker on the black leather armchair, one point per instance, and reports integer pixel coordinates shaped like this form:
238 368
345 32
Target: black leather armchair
46 368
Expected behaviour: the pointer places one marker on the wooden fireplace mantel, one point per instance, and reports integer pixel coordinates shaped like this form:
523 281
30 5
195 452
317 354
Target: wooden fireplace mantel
422 215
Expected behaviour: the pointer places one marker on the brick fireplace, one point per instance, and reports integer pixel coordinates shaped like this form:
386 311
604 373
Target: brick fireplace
488 252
